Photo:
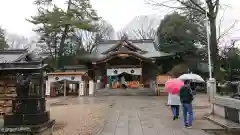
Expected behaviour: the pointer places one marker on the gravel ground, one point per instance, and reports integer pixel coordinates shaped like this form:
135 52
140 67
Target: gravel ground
81 119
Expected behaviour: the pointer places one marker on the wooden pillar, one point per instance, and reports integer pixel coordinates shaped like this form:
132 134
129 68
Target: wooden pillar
80 89
141 77
106 81
65 88
42 81
94 74
48 88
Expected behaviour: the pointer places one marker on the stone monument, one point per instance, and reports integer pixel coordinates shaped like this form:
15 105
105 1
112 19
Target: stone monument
29 115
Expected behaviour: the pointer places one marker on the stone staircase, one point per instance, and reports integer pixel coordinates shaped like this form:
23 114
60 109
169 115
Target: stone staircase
226 124
226 113
125 92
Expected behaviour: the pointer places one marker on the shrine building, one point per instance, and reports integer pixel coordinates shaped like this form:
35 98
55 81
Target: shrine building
138 61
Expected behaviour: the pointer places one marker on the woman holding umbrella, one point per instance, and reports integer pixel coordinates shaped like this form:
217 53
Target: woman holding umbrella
172 86
174 102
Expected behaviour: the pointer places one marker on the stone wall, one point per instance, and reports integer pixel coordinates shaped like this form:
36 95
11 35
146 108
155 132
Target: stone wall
226 107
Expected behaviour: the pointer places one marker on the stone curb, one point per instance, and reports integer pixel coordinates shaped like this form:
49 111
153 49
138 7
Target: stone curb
197 106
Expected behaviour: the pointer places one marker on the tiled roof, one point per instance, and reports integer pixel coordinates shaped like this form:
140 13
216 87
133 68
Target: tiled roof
146 45
7 56
19 60
22 66
75 67
16 55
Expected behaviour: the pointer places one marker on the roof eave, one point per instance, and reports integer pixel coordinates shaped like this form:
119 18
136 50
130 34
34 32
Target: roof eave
116 53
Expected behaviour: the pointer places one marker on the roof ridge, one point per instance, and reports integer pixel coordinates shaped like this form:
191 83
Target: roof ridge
130 40
13 50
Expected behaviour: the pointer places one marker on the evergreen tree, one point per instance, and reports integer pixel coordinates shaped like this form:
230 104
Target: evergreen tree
3 43
58 27
177 34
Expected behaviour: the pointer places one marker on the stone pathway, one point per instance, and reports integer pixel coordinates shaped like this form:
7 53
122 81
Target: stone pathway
125 92
124 115
147 116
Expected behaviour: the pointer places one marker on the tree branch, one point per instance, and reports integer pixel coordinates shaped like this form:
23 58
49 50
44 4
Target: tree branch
216 7
164 4
199 8
226 32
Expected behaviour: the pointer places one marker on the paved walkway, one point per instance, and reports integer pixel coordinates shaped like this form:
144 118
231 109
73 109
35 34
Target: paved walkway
130 115
147 116
125 92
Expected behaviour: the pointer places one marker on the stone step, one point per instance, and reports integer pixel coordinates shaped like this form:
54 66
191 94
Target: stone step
125 92
221 121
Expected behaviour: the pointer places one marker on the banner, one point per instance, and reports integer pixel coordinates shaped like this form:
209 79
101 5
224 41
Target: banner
132 71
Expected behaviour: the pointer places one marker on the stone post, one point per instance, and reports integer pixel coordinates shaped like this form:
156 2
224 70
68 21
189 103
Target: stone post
211 88
48 87
91 88
98 85
81 89
65 88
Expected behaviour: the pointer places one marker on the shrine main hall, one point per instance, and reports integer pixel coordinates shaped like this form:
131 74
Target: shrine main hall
138 61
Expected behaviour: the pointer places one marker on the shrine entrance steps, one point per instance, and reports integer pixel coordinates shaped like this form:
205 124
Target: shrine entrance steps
125 92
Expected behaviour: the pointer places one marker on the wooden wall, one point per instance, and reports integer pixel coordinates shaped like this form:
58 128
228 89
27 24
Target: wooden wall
7 93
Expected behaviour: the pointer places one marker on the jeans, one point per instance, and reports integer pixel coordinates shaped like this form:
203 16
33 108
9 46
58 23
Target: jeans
175 110
187 114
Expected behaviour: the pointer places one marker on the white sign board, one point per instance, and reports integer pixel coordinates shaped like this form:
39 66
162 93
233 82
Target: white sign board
117 71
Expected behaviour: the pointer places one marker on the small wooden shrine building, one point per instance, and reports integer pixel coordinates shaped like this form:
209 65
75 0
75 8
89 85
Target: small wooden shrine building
12 62
138 61
74 83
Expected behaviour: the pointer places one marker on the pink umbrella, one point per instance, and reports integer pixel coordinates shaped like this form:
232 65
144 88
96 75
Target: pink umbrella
173 86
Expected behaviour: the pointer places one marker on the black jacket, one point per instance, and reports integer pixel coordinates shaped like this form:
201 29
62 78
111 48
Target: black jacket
186 95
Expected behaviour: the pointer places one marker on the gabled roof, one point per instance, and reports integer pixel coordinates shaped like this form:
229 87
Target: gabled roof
18 55
127 53
147 46
8 56
144 49
22 67
124 43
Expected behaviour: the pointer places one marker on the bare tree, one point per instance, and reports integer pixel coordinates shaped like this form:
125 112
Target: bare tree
211 10
121 34
87 40
145 28
222 33
19 42
104 31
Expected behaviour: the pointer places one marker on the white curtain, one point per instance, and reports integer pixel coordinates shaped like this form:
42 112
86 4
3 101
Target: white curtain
117 71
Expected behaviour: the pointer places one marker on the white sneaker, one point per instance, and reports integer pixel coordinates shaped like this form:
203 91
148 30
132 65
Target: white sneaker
189 127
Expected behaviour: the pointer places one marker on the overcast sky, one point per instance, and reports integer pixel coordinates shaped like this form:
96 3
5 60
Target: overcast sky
117 12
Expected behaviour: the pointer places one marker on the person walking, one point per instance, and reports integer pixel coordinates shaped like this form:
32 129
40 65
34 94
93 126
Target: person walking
186 97
174 102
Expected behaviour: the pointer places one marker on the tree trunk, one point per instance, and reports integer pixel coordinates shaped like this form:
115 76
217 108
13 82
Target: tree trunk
61 49
214 49
63 38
